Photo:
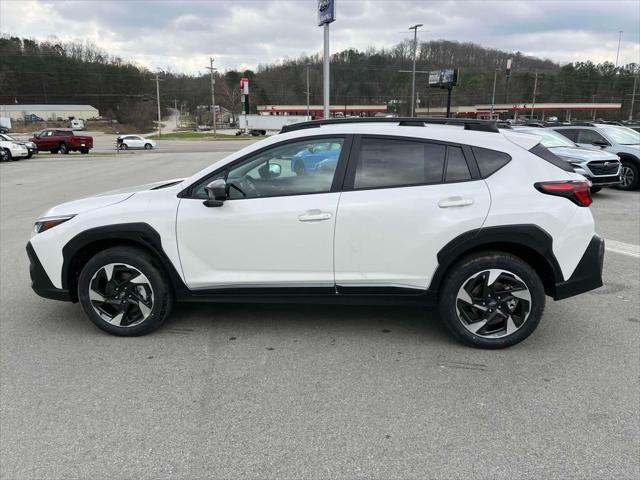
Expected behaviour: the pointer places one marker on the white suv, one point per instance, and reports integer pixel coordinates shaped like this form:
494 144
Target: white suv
481 222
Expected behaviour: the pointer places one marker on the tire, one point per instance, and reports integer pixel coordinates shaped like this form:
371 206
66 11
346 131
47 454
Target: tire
123 146
499 270
6 155
629 175
29 155
108 270
147 146
595 189
64 149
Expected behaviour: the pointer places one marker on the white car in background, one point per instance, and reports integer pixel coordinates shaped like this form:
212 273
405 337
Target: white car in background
126 142
13 150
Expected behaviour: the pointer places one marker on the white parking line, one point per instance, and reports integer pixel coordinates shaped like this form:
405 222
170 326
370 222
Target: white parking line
622 248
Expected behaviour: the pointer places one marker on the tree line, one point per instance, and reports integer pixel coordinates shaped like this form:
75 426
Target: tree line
33 72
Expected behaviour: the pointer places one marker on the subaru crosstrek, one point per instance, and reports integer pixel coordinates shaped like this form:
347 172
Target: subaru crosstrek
481 222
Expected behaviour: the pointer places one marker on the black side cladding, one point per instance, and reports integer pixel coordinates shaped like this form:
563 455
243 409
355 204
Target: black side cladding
543 152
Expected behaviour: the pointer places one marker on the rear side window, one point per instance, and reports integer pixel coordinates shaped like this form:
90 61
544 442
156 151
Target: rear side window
394 163
546 154
490 161
570 133
457 168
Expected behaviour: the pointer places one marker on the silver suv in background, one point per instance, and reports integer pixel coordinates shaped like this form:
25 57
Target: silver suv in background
601 168
622 141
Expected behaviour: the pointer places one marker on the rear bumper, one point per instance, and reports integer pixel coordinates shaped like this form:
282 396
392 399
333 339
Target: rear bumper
587 275
40 282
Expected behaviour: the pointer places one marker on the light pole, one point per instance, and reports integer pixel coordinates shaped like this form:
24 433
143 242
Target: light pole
413 70
493 95
307 91
618 52
535 89
158 98
325 74
213 97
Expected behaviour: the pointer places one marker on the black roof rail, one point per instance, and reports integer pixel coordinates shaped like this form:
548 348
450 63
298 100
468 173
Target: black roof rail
467 123
582 124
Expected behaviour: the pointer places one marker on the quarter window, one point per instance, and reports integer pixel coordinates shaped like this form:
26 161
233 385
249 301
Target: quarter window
489 161
394 163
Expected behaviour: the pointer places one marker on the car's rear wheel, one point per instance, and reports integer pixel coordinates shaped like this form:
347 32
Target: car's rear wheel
123 146
628 176
492 300
124 291
64 149
147 146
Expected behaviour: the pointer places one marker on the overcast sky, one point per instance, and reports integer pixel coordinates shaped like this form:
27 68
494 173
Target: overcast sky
181 35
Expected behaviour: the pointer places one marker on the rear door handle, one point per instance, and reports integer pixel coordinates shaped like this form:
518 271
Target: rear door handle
314 215
454 202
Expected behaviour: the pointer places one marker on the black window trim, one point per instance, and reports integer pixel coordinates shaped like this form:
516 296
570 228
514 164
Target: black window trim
338 176
349 179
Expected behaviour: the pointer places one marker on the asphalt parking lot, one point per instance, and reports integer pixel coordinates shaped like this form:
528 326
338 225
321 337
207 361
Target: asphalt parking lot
254 391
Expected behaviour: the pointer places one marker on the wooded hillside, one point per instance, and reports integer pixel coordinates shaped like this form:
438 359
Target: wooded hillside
52 72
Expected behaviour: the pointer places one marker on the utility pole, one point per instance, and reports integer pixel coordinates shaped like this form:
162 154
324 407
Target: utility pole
618 52
633 96
493 95
325 74
175 109
213 97
308 91
158 98
413 70
535 89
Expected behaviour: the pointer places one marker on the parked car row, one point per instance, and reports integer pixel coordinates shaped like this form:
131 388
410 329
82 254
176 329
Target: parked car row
606 154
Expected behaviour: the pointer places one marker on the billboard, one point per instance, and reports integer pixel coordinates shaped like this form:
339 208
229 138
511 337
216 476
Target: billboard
326 11
443 78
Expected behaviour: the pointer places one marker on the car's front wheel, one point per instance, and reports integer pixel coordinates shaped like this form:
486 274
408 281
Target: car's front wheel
125 291
147 146
492 300
629 177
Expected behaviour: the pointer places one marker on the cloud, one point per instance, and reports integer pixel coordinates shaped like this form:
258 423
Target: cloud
244 33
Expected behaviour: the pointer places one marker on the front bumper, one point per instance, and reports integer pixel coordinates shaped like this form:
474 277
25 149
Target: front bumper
40 282
587 275
605 181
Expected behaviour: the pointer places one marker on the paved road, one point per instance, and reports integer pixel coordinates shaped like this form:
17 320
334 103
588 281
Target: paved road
237 391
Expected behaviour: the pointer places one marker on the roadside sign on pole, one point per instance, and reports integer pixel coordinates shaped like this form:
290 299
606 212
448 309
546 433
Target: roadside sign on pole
244 86
326 12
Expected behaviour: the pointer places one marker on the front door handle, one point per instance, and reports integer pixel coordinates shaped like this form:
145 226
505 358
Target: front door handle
454 202
314 215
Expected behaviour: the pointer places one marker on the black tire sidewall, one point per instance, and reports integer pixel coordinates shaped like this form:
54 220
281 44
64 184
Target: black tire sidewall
138 258
64 149
468 266
147 146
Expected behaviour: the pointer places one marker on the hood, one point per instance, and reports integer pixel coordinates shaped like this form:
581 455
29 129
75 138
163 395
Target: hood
105 199
583 153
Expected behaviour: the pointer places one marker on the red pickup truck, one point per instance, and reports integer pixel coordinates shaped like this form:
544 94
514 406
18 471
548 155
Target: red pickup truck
63 141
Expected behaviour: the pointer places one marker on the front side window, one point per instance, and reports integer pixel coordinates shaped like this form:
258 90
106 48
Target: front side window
591 136
394 163
570 133
292 169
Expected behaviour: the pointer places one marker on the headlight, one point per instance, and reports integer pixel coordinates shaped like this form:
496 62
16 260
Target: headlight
16 145
44 224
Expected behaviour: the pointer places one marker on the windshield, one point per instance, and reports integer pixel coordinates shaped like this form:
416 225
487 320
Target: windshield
622 135
550 138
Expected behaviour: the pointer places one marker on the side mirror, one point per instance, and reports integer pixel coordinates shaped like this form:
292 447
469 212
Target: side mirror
217 192
274 170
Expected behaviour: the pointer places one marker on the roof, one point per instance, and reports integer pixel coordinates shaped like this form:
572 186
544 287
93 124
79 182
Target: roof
21 107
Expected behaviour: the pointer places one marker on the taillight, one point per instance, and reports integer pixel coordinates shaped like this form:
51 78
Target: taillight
576 191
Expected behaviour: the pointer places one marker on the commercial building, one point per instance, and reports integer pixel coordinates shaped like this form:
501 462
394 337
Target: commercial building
316 110
23 112
513 110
